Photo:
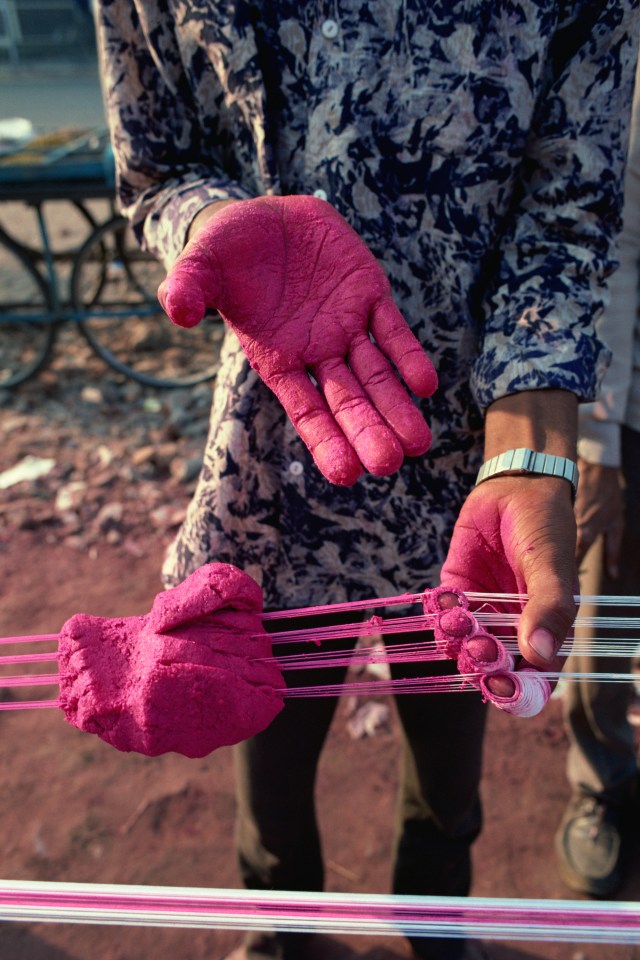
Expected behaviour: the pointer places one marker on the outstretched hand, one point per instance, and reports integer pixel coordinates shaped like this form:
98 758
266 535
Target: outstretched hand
307 300
517 535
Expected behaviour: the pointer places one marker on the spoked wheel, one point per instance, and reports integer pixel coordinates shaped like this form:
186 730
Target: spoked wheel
114 290
27 330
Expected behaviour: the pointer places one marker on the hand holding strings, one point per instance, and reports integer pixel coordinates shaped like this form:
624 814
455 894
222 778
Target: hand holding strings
315 316
517 535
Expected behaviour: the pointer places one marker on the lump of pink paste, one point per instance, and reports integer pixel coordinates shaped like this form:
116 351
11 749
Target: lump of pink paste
189 676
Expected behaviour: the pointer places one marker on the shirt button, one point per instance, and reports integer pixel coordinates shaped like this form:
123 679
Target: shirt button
320 194
296 468
330 29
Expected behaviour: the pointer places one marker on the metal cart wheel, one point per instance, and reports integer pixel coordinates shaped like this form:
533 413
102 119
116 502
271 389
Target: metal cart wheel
79 223
114 294
27 326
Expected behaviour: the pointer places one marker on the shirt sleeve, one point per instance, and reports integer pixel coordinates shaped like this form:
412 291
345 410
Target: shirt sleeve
560 245
164 173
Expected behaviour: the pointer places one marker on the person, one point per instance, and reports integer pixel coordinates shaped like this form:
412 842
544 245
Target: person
476 150
595 833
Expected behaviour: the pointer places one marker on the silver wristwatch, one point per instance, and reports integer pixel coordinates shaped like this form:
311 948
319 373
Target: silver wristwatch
524 460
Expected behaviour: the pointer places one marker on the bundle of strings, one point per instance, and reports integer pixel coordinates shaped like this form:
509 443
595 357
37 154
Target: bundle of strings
205 667
337 913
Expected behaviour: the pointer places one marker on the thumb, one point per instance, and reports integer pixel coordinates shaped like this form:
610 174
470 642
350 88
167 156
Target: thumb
546 620
190 287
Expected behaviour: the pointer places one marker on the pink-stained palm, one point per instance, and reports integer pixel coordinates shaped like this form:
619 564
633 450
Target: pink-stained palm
314 313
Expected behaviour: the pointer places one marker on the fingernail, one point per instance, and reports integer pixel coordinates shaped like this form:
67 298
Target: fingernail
543 643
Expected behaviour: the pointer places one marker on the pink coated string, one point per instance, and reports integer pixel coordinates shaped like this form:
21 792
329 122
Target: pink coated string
488 919
365 656
28 704
30 658
347 605
372 627
30 679
443 684
31 639
442 619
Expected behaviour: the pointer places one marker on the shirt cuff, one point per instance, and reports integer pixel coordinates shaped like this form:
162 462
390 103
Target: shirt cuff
566 358
165 229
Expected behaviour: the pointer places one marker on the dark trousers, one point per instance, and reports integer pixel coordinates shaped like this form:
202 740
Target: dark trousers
601 758
438 815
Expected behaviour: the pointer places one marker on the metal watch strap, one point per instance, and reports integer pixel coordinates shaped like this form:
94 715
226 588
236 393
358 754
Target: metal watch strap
524 460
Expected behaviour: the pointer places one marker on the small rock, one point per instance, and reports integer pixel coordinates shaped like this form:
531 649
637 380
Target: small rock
103 478
109 516
92 395
71 521
143 455
166 516
29 468
185 469
104 456
20 519
164 454
71 496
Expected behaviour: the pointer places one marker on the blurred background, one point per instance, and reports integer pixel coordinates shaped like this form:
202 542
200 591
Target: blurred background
48 65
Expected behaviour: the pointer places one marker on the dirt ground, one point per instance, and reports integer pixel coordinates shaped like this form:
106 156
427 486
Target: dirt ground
74 809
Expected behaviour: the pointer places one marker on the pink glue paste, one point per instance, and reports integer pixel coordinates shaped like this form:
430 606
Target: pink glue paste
192 675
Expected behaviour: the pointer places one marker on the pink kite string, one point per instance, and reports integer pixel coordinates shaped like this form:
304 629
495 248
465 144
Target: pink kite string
421 651
487 918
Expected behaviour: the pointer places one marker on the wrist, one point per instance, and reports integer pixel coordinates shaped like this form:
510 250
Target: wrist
204 216
544 421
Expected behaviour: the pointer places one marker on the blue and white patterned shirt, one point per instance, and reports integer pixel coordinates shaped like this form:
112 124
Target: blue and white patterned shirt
477 146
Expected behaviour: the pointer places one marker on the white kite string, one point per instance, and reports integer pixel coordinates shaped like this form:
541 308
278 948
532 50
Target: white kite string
337 913
488 609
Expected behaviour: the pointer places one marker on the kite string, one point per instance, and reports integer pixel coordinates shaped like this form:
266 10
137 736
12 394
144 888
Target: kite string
409 623
354 913
439 605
